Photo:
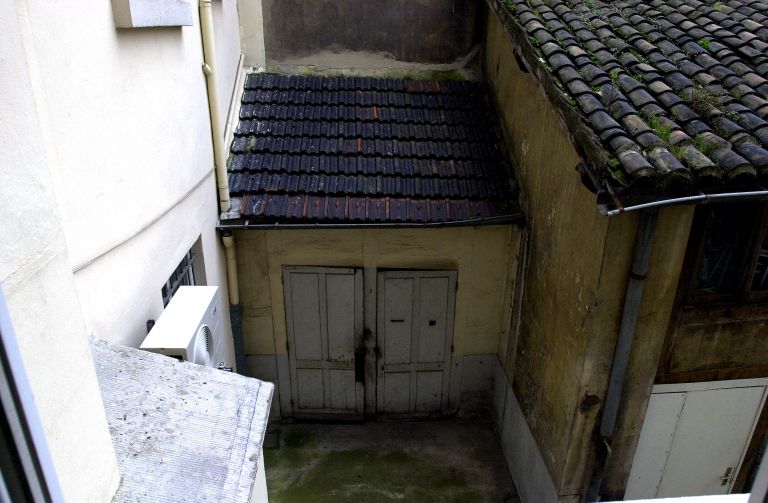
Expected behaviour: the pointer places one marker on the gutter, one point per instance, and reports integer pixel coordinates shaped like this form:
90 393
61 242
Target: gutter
629 316
477 222
700 198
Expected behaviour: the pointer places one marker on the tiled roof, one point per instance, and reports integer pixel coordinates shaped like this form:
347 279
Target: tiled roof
659 95
361 150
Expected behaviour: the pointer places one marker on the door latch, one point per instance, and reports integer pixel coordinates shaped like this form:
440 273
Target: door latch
726 476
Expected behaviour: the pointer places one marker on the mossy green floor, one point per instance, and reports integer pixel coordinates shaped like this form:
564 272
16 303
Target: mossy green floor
383 463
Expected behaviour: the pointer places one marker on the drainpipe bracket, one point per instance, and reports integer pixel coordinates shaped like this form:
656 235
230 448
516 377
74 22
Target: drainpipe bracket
234 210
232 214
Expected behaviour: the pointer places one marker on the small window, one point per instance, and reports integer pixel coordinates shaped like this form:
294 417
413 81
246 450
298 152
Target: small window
183 275
732 259
760 276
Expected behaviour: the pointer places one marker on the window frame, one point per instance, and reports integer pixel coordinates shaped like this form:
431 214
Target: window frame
182 275
743 292
27 473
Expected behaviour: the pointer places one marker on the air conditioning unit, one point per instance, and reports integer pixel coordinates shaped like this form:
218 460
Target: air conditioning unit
190 328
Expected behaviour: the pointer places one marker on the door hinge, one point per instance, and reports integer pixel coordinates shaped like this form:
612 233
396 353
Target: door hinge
286 345
451 348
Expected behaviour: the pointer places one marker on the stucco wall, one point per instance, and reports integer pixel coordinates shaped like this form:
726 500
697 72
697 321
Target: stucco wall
125 123
36 277
481 256
425 31
656 310
226 34
575 281
252 32
121 290
567 244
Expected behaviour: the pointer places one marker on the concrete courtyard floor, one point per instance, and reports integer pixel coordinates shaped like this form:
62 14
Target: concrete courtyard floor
453 460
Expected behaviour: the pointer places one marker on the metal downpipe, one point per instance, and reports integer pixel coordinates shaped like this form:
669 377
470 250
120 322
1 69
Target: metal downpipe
217 132
630 313
235 311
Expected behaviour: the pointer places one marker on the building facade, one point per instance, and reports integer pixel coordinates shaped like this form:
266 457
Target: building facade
108 184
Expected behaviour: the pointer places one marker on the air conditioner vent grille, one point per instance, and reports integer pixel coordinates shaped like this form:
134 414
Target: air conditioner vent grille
206 333
203 345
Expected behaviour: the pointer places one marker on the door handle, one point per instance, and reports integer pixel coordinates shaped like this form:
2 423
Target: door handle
726 476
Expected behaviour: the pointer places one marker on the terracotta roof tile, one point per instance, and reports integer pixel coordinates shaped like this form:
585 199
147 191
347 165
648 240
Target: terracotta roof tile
312 149
663 92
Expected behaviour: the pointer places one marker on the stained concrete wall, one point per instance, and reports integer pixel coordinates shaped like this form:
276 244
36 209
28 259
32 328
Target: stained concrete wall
126 126
574 283
36 278
568 239
481 256
425 31
710 338
656 311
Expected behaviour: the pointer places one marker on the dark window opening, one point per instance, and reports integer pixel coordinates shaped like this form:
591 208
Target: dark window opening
732 259
760 276
183 275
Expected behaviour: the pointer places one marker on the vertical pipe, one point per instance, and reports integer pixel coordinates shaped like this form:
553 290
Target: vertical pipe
634 296
629 316
209 67
235 311
229 247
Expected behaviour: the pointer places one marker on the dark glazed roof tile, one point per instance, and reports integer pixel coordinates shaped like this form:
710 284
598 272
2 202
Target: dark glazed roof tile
312 149
650 82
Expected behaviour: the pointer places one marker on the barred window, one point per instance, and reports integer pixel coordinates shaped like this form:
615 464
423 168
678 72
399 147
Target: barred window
184 274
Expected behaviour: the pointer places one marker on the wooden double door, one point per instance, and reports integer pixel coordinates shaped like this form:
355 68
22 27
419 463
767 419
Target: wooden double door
407 361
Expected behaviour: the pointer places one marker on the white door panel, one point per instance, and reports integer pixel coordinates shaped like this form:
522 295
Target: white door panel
324 314
693 438
711 435
654 444
415 332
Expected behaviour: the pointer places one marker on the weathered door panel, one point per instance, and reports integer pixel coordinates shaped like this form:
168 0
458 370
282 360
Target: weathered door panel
710 438
654 444
694 437
415 333
324 315
398 320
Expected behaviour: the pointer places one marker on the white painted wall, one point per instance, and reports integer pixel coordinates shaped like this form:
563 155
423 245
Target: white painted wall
226 32
125 123
121 290
35 274
106 164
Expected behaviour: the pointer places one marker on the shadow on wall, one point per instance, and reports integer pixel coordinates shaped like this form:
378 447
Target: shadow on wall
422 31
